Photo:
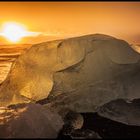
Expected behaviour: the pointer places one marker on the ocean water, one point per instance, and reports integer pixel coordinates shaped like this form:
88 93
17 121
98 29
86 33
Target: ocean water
8 54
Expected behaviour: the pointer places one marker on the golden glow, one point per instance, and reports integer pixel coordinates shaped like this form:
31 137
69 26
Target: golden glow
69 19
14 32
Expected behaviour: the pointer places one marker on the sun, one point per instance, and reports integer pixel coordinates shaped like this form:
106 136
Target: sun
14 32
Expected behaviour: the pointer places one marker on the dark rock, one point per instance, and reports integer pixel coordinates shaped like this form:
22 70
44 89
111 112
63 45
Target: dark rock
122 111
84 134
29 121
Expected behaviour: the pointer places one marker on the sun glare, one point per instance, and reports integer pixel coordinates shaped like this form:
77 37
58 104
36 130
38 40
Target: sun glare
14 32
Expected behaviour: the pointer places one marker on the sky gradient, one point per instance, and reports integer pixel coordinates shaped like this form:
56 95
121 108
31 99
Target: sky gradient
68 19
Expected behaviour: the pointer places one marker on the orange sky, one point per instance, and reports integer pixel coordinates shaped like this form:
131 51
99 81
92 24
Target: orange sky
65 19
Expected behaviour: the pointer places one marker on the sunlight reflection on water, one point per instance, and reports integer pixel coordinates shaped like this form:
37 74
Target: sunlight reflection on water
8 55
4 70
